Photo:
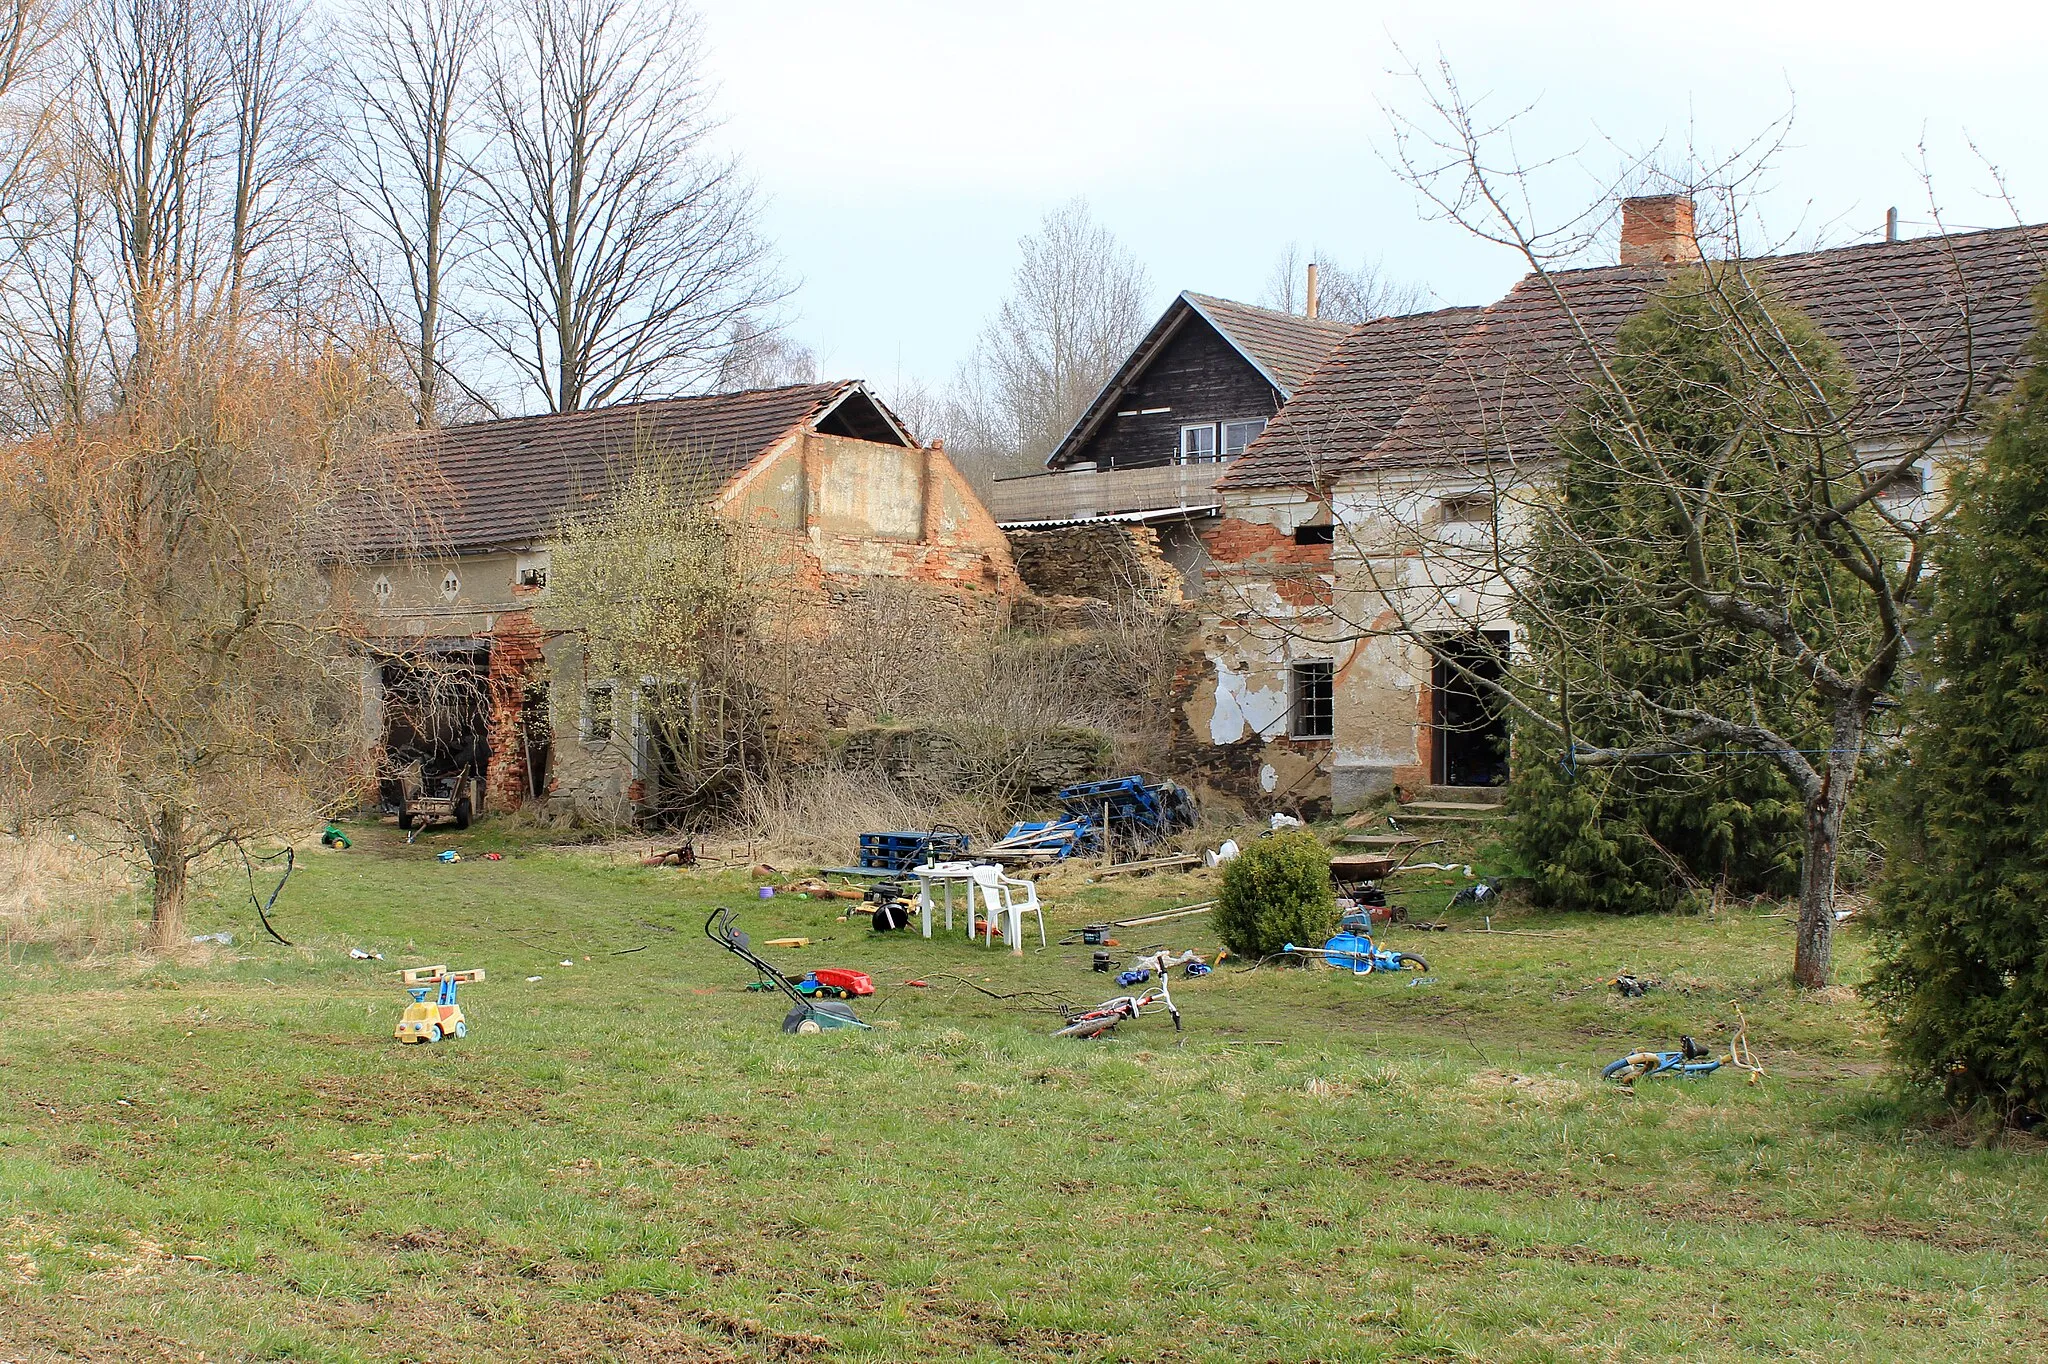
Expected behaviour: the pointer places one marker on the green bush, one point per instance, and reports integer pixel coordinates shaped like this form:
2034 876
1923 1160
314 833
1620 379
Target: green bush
1275 892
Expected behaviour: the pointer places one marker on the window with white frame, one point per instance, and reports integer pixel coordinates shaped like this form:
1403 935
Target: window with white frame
1238 435
1198 444
1312 712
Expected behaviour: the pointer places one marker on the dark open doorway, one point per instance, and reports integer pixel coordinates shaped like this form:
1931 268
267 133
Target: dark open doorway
1471 726
437 714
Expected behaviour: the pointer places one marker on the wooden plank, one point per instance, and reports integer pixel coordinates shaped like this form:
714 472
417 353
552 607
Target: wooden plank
1436 818
1465 806
1150 864
1182 913
1379 840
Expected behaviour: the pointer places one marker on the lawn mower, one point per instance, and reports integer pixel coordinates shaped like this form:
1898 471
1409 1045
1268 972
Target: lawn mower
809 1014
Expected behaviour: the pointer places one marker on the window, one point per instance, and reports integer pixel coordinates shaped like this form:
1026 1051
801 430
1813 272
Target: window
534 576
1238 435
1906 486
1198 444
1314 686
599 706
451 586
1474 509
1315 535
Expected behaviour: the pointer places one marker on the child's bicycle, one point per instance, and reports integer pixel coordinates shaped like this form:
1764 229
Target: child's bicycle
1689 1060
1104 1017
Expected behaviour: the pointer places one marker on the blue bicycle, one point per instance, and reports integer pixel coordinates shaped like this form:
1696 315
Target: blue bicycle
1689 1060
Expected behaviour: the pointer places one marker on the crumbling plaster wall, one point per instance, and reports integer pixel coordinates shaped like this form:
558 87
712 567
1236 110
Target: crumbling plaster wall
1266 604
859 510
1394 563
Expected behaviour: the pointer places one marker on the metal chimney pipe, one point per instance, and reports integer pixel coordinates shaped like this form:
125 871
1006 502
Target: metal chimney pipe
1891 224
1314 298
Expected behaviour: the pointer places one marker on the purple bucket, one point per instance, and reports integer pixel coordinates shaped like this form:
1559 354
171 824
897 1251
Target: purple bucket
767 892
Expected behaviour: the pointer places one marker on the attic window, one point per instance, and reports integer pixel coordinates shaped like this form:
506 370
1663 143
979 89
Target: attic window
1474 509
381 590
451 585
1903 487
533 575
1325 534
1198 444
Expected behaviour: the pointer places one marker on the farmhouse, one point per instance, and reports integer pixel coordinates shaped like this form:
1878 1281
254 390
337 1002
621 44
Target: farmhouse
828 479
1133 484
1409 447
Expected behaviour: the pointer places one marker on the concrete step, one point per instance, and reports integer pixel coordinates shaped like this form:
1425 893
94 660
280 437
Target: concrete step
1438 817
1484 795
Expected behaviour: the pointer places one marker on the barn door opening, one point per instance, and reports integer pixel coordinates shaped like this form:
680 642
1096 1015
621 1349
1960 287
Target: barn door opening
1471 724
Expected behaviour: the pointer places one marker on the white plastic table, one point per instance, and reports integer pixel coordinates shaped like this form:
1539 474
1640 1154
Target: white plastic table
945 874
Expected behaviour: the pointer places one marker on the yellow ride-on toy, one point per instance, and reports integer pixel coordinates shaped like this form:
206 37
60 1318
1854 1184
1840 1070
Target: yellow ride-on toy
427 1020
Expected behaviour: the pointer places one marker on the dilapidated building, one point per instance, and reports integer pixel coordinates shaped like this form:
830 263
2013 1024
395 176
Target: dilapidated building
1418 435
821 474
1132 485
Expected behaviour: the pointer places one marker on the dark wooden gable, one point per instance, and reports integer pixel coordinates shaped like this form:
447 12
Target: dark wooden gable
1197 376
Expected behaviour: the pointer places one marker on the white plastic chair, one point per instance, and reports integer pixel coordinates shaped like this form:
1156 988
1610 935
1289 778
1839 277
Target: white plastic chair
1010 898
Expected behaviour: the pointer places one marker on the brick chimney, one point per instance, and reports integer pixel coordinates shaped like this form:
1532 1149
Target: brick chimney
1657 230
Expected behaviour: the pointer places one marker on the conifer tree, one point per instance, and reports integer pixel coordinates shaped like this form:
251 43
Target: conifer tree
1963 908
1642 835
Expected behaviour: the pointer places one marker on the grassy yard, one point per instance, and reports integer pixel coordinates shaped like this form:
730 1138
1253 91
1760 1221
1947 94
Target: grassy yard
230 1158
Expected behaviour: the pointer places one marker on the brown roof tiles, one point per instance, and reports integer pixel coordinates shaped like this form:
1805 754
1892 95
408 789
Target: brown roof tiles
1926 325
504 483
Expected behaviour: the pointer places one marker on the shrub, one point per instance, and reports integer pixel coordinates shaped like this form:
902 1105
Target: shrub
1275 892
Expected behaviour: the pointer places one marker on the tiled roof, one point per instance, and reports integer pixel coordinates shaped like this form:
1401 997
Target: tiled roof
1284 347
1348 405
1925 325
1287 346
504 483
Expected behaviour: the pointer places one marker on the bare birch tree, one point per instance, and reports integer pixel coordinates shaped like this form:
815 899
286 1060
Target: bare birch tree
410 82
1078 303
621 247
1343 294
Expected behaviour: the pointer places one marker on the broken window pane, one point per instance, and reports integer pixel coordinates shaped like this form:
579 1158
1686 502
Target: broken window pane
598 707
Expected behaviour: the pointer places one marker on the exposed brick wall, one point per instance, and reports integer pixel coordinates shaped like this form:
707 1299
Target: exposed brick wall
515 662
1102 560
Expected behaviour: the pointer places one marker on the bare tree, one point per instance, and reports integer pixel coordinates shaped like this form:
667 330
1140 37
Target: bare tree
276 117
759 355
621 248
411 81
1342 295
1077 304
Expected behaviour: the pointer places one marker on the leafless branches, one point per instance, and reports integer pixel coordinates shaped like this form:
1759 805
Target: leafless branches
620 247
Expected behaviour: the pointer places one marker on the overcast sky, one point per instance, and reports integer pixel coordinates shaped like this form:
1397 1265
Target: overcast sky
905 145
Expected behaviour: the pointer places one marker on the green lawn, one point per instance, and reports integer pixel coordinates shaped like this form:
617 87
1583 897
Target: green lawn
231 1158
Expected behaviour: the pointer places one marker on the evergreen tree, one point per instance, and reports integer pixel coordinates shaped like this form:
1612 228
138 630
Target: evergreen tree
1610 629
1963 907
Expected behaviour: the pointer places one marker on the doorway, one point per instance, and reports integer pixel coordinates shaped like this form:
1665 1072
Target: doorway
1470 725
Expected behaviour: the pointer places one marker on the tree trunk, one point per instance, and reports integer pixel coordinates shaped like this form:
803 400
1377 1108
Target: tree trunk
167 868
1813 960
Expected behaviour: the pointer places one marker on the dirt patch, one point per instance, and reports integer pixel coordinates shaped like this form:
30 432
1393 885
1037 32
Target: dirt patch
746 1330
362 1101
1530 1182
1537 1089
